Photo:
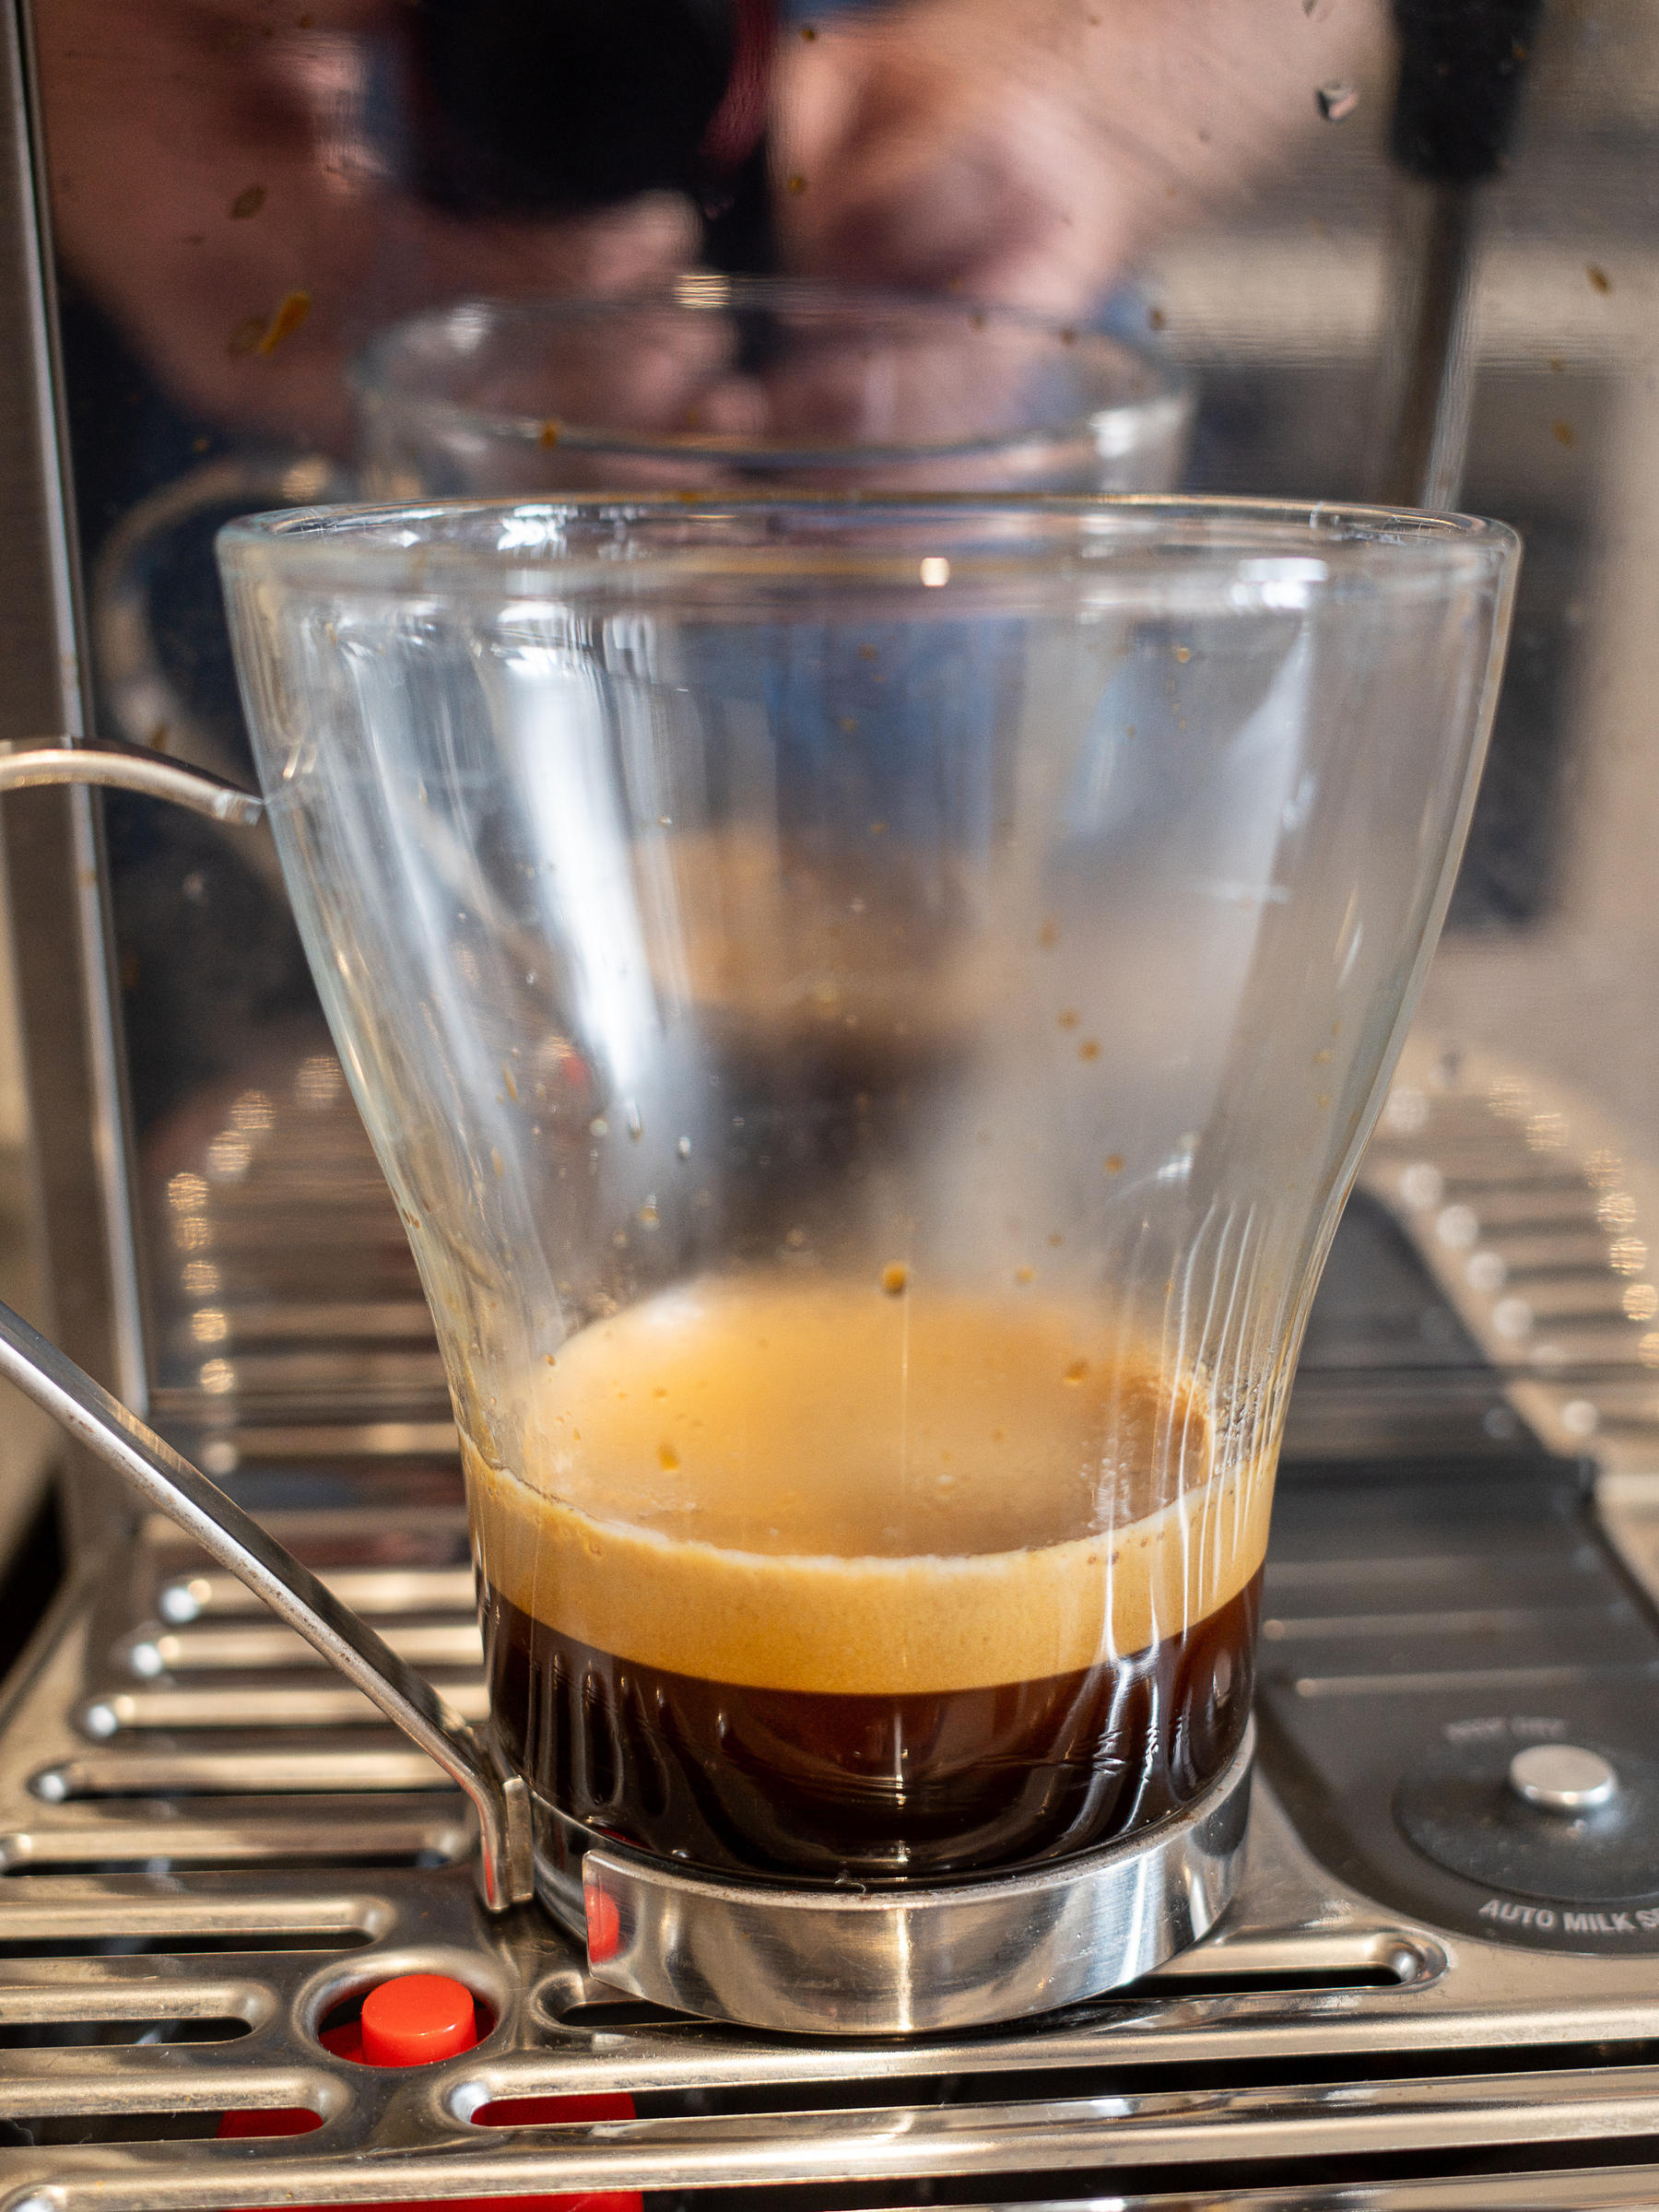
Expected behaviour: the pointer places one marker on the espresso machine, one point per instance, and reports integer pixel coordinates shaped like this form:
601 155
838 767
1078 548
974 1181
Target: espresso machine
1402 255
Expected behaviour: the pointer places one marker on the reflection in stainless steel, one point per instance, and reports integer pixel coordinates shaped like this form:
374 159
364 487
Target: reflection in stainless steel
1425 433
284 1298
141 696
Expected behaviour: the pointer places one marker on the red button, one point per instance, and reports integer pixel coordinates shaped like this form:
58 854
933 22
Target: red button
604 1924
417 2019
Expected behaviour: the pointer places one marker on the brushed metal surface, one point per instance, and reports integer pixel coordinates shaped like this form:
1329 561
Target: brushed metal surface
1537 1214
928 1960
367 1590
196 1650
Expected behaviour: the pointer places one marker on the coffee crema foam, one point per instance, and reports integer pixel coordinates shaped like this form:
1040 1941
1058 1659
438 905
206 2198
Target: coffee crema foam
823 1488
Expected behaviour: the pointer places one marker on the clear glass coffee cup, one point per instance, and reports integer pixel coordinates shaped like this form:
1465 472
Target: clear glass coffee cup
869 1010
709 382
761 383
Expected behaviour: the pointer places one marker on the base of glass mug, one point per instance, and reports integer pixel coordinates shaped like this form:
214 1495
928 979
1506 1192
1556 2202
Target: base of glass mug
825 1961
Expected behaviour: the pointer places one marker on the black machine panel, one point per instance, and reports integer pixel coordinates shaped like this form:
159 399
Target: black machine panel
1429 1615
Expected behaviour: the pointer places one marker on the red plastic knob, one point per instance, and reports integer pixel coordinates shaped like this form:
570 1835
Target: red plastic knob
604 1924
416 2019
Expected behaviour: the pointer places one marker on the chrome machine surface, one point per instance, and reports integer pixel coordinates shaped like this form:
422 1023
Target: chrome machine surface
934 1958
209 1845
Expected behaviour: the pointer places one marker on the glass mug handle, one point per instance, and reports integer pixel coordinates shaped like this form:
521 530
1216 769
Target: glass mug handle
148 710
169 1483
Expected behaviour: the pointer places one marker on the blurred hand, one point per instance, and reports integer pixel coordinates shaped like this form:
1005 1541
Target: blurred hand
218 189
1028 153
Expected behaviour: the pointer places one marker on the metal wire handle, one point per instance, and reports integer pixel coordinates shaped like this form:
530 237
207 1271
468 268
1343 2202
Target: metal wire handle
37 762
236 1541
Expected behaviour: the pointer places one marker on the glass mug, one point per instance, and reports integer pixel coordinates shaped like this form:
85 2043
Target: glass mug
760 384
869 1010
710 380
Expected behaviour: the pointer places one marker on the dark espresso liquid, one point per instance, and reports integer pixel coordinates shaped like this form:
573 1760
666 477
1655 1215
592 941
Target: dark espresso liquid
852 1579
741 1779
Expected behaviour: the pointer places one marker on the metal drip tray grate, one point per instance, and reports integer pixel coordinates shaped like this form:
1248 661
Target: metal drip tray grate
208 1850
208 1847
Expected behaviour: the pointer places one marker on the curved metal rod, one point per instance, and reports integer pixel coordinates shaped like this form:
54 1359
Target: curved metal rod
170 1483
128 768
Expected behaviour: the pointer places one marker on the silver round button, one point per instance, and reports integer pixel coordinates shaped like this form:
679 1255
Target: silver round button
1562 1778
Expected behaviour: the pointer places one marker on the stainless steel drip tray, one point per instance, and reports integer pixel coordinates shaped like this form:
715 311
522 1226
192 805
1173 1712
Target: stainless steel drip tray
208 1847
190 1888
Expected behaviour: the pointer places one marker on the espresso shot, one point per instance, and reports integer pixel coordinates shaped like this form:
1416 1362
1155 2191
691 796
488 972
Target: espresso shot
856 1582
809 1784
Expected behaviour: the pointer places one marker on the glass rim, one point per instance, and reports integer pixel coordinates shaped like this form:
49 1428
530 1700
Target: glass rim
1115 425
460 546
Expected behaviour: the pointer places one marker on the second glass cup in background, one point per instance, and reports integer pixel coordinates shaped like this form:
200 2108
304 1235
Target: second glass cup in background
710 381
761 383
868 1011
